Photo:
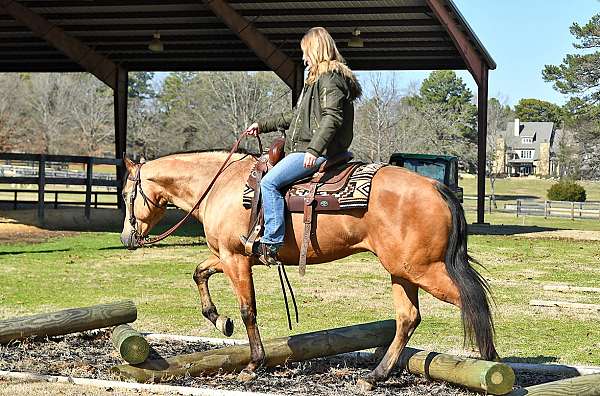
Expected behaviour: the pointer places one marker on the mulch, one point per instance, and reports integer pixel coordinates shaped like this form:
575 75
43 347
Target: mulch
91 355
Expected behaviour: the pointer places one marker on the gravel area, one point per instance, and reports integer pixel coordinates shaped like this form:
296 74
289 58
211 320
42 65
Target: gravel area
91 355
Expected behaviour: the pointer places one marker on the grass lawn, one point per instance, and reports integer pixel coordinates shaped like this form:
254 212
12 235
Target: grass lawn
91 268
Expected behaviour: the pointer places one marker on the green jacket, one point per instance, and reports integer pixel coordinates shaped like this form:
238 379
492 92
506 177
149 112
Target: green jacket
322 123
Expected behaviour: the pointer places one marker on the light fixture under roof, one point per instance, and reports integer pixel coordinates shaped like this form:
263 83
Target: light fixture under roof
156 45
356 41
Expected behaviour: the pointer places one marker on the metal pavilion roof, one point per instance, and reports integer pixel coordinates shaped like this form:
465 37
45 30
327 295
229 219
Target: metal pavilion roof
398 35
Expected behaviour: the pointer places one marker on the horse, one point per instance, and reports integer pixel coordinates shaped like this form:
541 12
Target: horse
414 225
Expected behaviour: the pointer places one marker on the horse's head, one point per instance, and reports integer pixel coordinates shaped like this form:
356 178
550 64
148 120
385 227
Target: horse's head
145 204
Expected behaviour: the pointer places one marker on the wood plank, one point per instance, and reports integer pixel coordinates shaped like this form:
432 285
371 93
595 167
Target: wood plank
564 304
566 288
68 321
586 385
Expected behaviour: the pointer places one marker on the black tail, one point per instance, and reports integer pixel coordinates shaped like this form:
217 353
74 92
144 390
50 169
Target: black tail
478 324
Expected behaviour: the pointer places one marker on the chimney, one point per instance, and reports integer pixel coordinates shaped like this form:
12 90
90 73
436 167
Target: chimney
517 127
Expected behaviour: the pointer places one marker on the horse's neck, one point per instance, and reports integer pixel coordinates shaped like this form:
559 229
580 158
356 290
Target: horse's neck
185 177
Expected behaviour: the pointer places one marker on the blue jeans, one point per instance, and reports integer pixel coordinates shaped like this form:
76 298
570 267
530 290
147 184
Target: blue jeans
288 170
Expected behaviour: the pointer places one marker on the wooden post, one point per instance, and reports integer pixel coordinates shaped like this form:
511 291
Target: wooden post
96 200
130 344
580 208
68 321
480 375
88 187
277 351
120 107
518 206
545 209
585 385
572 210
482 108
15 201
55 199
41 187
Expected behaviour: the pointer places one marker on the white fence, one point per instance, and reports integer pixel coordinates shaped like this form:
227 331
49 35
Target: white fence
570 210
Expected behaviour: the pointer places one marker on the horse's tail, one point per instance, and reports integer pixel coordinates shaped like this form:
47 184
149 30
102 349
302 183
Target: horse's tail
475 294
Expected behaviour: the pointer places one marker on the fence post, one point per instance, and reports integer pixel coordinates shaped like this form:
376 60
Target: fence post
41 186
96 200
56 200
15 202
88 187
580 208
545 209
490 204
572 210
518 206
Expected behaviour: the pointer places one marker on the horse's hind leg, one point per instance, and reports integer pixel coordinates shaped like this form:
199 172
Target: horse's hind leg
203 272
406 305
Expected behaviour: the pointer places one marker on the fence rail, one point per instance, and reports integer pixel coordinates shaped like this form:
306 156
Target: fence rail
43 178
563 209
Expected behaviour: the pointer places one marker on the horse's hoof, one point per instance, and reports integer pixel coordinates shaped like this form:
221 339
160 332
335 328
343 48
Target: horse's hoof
246 376
365 385
224 325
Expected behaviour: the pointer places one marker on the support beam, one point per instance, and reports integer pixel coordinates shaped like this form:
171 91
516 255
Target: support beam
120 108
100 66
482 110
264 49
472 58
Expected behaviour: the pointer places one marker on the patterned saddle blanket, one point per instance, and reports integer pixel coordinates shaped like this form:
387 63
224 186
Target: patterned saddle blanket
344 187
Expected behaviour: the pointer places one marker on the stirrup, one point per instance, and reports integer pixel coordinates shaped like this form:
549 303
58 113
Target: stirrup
262 251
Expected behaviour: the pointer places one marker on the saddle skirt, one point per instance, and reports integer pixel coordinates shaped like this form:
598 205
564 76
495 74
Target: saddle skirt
343 187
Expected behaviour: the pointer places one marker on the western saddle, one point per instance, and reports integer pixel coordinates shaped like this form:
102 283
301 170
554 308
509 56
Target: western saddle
309 196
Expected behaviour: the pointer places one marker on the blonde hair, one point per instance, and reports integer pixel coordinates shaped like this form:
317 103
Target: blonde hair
319 47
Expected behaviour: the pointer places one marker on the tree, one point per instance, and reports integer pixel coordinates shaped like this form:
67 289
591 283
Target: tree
528 110
579 77
579 74
140 85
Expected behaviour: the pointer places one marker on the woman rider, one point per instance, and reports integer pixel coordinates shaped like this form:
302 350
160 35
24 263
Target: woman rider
320 127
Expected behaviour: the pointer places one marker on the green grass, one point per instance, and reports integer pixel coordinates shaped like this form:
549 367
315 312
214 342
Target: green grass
525 187
92 268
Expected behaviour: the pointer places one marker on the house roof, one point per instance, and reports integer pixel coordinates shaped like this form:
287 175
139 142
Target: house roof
398 35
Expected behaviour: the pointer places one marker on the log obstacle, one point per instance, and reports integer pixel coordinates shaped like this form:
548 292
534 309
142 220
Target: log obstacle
490 377
68 321
586 385
130 344
481 375
277 351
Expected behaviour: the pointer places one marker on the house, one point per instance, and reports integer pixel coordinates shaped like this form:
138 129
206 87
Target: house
527 148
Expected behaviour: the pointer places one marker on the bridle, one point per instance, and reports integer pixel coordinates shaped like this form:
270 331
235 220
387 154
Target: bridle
137 186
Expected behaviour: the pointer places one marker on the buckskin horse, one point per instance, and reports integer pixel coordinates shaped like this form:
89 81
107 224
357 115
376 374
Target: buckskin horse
414 225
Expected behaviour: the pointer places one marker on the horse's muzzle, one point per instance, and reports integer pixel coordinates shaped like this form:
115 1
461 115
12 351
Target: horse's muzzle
129 240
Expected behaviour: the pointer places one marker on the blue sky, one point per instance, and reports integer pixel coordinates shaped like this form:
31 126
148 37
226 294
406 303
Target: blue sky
522 36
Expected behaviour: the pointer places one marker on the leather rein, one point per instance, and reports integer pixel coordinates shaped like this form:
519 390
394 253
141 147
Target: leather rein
142 240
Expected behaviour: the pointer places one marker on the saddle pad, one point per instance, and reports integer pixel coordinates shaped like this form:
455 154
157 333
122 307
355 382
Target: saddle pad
355 194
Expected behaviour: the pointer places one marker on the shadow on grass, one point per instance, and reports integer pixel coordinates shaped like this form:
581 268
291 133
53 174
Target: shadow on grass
160 245
505 229
34 251
510 197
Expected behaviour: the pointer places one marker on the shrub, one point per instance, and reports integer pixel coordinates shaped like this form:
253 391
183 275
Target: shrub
566 190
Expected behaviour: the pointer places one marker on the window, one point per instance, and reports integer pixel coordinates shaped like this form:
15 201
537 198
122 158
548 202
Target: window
526 154
527 140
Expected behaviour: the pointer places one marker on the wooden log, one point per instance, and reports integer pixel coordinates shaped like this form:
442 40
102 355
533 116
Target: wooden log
130 344
480 375
278 351
564 304
566 288
68 321
586 385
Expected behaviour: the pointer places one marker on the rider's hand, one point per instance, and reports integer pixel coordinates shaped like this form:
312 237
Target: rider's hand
252 130
309 160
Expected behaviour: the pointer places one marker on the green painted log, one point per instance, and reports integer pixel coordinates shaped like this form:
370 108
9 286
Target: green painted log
278 351
481 375
586 385
130 344
68 321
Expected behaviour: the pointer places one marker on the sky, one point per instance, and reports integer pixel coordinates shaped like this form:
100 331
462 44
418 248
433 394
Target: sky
521 36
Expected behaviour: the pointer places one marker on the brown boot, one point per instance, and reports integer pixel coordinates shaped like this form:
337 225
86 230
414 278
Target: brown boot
266 253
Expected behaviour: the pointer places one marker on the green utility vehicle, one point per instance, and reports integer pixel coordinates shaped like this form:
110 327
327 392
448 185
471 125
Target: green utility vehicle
443 168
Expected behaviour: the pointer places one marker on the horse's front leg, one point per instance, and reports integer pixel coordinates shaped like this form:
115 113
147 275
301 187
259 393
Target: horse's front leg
204 271
239 270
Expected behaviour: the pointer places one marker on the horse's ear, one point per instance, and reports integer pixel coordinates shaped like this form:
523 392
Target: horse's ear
129 164
142 159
